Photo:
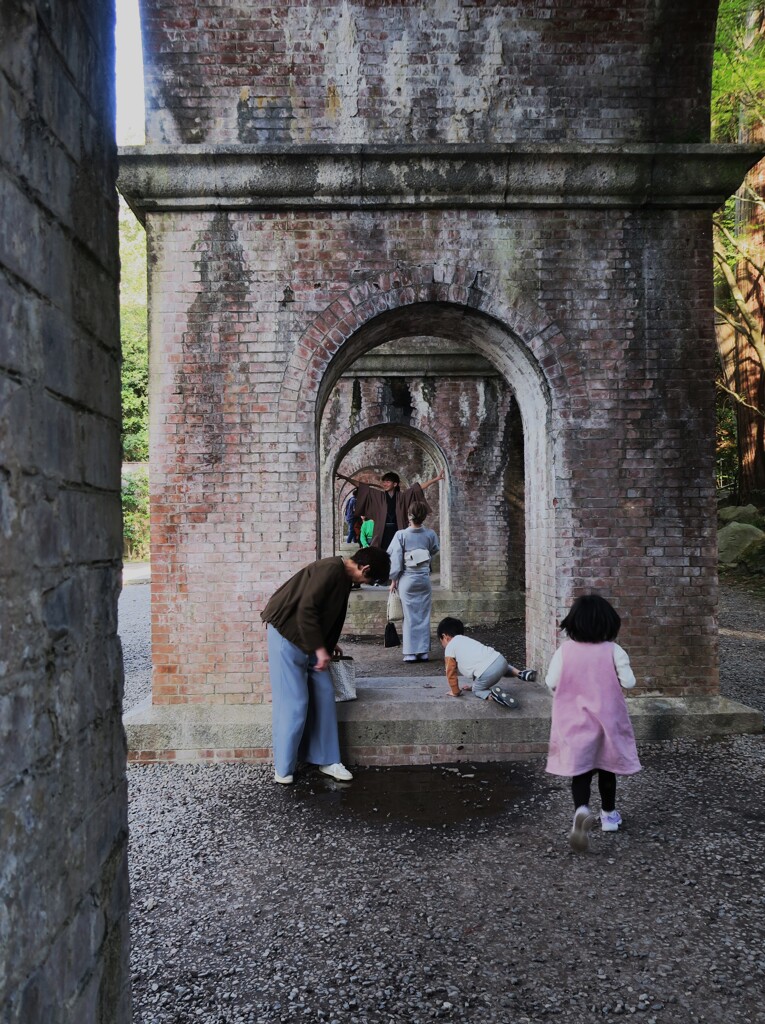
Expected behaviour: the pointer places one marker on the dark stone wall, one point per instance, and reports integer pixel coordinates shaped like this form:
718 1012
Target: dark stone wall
63 827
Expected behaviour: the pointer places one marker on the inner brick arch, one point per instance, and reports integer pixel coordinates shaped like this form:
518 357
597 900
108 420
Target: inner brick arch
328 527
525 348
409 302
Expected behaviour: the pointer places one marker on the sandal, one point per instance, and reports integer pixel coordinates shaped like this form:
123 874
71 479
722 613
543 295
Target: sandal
528 675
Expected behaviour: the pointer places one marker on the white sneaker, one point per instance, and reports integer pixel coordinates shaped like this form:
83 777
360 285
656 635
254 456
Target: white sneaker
410 657
584 819
610 821
336 771
285 780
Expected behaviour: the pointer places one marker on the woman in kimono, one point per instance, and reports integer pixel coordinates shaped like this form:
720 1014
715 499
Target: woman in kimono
411 552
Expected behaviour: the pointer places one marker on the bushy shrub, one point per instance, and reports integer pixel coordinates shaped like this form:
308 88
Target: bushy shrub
135 515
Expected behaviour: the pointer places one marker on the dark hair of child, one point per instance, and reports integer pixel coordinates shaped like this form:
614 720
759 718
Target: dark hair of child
449 627
592 620
393 477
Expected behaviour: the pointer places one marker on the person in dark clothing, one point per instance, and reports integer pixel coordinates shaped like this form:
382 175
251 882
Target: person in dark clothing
388 505
350 516
305 618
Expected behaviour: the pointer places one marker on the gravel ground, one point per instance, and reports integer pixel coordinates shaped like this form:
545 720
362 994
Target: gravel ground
449 893
135 633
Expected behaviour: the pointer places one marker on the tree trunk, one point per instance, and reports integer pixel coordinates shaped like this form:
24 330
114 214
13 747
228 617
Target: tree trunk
748 378
750 374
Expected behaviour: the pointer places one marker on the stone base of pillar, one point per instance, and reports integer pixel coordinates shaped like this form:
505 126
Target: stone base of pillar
394 722
367 609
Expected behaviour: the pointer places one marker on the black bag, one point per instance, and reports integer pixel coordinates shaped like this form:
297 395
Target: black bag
391 638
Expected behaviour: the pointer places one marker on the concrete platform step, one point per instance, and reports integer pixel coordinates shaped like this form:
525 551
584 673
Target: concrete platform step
367 608
409 721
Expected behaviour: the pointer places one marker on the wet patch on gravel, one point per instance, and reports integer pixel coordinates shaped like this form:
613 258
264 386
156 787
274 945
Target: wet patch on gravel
432 796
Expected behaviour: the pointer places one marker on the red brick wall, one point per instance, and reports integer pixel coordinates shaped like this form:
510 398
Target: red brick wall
448 70
608 350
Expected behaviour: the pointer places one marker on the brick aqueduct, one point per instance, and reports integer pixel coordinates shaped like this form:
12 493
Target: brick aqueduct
525 185
471 236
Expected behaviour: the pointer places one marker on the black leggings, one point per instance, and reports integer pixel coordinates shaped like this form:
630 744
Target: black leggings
580 789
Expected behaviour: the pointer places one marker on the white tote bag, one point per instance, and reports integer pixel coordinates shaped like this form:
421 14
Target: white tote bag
395 607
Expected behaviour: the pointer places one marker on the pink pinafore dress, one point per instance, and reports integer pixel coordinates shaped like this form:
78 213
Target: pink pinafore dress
590 727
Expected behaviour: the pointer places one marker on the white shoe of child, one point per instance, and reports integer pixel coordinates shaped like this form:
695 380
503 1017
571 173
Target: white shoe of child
584 819
610 821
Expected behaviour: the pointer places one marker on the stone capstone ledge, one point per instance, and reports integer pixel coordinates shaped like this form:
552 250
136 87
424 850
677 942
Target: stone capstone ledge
367 609
410 721
170 178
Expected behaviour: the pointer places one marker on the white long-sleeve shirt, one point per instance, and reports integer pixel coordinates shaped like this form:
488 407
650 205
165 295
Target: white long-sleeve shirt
621 664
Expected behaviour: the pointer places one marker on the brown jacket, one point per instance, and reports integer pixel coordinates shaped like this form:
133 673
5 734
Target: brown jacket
372 503
309 609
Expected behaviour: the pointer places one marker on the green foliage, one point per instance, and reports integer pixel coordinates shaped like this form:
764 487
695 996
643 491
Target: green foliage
725 218
738 111
134 335
738 73
135 515
726 469
135 384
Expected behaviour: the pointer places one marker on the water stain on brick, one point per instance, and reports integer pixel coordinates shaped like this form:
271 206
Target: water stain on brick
397 400
356 400
261 120
211 343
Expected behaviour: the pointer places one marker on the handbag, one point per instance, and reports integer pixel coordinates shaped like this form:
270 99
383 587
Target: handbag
391 637
395 607
342 672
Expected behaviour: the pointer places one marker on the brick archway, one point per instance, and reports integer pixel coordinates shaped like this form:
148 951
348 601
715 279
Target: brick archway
523 345
406 297
328 504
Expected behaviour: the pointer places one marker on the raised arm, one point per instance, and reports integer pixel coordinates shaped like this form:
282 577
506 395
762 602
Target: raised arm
435 480
357 483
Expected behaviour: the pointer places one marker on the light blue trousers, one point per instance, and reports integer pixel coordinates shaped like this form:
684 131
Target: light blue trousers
304 720
488 677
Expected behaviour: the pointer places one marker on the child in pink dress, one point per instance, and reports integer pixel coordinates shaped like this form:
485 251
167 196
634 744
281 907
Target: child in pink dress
591 729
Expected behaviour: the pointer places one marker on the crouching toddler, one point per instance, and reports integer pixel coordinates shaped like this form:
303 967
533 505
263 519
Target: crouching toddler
482 665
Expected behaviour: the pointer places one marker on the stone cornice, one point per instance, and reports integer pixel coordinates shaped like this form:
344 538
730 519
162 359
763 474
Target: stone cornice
172 178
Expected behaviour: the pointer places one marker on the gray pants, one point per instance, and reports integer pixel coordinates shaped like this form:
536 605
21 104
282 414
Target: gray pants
489 677
303 710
